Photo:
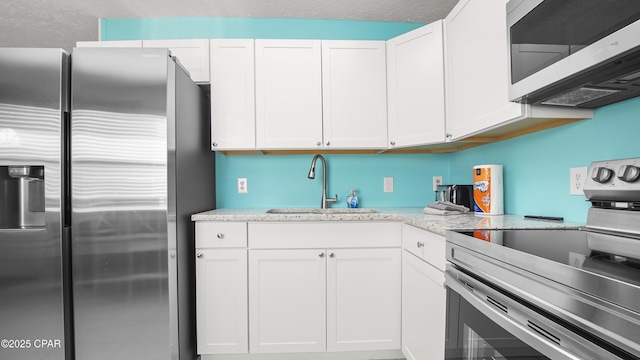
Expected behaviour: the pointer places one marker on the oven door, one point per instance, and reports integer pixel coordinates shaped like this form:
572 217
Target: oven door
486 323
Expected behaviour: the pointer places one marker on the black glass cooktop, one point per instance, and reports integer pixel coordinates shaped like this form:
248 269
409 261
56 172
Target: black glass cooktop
580 249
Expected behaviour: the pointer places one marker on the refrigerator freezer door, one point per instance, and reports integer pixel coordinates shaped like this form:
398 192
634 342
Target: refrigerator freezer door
120 205
33 101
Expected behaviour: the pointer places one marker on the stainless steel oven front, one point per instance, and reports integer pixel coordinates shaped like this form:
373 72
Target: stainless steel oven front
540 294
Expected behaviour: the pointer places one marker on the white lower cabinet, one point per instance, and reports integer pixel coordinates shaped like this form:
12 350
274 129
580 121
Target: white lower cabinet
221 298
423 295
287 302
221 288
317 300
423 309
363 299
316 290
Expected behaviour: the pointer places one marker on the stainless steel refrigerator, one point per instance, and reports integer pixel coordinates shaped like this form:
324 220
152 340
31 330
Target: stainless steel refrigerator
103 158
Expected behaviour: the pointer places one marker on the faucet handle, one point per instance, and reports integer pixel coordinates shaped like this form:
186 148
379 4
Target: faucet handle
332 200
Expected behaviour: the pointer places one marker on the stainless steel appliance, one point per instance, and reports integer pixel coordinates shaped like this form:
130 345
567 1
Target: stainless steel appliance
552 294
573 52
34 107
119 139
457 194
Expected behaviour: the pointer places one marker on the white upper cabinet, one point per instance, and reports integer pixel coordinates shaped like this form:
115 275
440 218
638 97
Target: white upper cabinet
354 94
288 94
313 94
233 125
416 90
192 54
477 71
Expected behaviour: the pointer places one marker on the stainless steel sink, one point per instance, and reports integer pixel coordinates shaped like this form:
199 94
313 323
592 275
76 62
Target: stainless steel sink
297 211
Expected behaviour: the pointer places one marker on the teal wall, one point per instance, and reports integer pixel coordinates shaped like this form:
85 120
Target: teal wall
238 28
281 180
536 166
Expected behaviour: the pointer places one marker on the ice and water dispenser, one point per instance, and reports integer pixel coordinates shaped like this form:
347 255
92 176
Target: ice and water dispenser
22 197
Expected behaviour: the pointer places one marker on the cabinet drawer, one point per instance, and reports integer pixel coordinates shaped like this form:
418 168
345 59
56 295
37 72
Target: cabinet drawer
323 234
425 245
211 234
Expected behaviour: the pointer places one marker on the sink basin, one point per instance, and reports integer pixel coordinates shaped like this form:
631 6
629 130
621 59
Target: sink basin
297 211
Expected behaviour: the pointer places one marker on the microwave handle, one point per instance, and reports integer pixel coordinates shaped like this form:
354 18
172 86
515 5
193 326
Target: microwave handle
517 316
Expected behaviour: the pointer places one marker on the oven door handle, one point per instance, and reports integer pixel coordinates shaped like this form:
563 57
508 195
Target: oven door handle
528 326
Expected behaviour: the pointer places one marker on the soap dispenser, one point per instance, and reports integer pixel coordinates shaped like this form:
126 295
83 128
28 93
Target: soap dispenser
352 199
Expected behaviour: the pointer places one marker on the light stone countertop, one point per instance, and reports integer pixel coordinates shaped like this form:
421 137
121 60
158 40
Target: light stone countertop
412 216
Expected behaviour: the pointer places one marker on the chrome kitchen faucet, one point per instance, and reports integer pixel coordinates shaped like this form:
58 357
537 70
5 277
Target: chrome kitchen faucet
312 175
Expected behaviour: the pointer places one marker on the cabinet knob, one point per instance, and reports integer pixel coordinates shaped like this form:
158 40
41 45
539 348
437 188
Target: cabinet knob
321 255
215 144
220 235
331 255
318 143
199 255
328 143
393 143
420 244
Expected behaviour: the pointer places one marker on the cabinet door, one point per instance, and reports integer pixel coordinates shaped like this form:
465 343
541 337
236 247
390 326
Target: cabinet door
363 299
288 94
233 120
221 301
423 309
287 305
477 68
192 54
415 71
354 88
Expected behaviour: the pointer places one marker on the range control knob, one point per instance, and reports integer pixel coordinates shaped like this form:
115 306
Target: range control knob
628 173
601 174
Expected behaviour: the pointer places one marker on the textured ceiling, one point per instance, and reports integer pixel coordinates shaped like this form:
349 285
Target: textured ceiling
60 23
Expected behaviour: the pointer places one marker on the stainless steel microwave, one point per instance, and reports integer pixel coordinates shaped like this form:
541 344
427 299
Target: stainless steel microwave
580 53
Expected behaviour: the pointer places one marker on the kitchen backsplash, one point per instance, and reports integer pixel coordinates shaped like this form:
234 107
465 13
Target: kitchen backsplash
536 166
281 180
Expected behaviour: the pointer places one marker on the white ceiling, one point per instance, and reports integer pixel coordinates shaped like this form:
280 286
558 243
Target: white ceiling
60 23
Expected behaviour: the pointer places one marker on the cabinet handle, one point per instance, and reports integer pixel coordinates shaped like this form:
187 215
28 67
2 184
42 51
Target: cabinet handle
393 143
318 143
215 144
220 235
331 255
321 255
199 255
420 244
328 143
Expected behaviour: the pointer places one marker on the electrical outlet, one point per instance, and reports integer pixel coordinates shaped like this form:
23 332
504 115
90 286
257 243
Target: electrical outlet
437 180
388 184
243 186
577 177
